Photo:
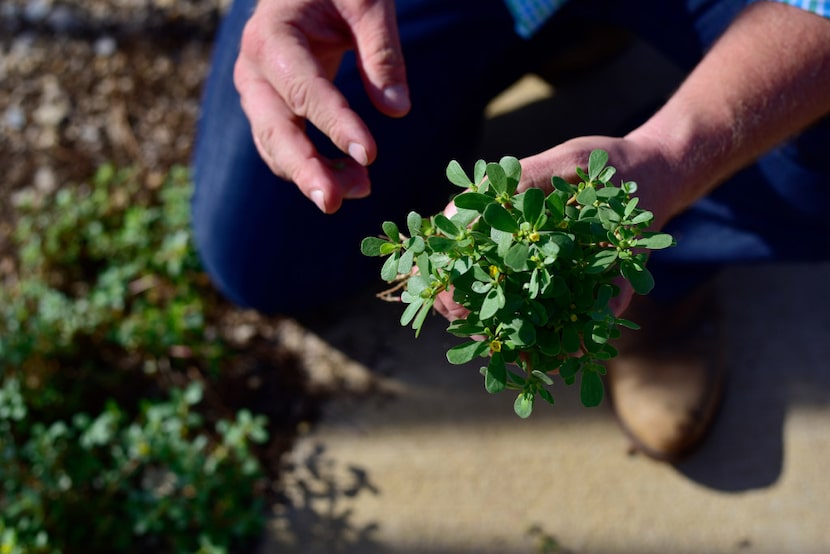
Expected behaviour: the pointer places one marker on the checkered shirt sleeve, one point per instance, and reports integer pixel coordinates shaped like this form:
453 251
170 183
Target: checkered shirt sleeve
530 15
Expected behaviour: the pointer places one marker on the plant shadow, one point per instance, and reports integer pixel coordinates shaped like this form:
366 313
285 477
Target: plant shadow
316 506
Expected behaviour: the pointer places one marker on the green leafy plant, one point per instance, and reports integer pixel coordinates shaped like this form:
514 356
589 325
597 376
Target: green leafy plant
536 272
111 436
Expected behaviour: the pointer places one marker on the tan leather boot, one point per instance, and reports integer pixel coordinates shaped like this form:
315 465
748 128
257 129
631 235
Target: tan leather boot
666 384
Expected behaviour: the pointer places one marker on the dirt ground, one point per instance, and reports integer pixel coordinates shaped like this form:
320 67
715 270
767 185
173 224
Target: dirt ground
83 82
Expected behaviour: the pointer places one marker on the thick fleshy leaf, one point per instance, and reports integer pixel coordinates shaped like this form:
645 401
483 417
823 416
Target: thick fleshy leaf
544 377
591 390
465 328
405 262
467 351
606 174
416 244
425 310
596 163
457 176
512 171
391 230
643 217
522 333
601 261
416 284
587 196
497 178
523 405
556 206
472 201
413 223
533 202
446 226
389 271
441 244
561 184
410 311
495 377
499 218
548 341
516 258
639 277
493 302
479 170
370 246
656 241
631 206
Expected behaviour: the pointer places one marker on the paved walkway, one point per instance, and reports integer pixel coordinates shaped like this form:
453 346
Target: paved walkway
413 456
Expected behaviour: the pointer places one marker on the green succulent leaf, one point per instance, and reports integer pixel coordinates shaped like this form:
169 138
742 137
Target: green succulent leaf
370 246
457 176
446 226
495 376
413 223
656 241
467 351
391 230
523 405
639 277
532 203
499 218
389 271
473 201
596 163
516 258
497 178
591 390
587 196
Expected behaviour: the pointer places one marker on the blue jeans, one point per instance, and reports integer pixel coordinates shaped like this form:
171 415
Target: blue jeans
267 247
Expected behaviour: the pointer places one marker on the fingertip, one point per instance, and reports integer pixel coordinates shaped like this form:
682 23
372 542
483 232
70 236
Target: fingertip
358 153
396 99
319 198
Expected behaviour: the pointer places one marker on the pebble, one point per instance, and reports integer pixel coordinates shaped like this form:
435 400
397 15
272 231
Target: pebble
36 11
14 118
105 47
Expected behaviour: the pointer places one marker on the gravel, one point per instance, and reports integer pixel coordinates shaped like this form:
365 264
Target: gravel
84 82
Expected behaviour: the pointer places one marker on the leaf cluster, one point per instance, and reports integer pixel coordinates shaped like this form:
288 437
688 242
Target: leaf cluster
536 271
104 446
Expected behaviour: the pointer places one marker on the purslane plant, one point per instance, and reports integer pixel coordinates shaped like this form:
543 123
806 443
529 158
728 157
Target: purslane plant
536 272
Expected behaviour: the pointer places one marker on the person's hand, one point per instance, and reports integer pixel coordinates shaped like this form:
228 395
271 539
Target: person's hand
636 159
290 53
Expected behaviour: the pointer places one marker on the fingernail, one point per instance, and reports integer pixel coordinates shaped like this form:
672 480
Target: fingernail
396 97
358 153
360 190
319 199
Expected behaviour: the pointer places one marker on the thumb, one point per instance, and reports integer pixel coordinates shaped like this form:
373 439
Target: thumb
380 58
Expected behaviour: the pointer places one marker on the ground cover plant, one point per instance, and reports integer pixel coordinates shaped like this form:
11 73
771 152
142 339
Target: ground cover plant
537 273
115 435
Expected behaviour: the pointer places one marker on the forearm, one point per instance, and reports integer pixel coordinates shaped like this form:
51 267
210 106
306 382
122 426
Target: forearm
766 79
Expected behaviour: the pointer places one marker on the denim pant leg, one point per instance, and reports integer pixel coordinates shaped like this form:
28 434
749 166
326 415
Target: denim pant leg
264 244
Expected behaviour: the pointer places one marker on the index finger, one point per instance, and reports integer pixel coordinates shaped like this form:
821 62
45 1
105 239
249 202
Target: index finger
285 60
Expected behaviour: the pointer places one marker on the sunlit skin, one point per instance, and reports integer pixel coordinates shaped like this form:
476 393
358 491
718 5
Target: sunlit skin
763 81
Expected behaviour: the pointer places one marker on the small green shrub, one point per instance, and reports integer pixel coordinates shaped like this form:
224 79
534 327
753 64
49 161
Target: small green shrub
107 439
536 272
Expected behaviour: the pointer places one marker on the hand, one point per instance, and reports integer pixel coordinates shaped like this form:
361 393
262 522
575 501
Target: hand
290 53
636 159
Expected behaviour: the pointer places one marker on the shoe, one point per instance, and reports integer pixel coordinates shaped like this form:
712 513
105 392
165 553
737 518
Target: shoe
667 382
